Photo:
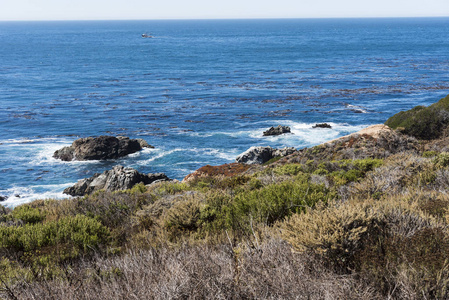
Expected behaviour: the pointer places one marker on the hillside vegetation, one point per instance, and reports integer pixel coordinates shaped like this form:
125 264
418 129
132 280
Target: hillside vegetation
422 122
362 217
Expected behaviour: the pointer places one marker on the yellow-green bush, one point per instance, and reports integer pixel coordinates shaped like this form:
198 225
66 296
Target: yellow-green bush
288 169
182 217
441 160
28 214
276 201
80 233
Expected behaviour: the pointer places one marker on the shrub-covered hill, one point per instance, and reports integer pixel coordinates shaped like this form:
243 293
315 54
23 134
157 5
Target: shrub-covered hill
425 123
361 217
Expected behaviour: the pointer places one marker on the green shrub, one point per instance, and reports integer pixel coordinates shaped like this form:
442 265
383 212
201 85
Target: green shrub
139 188
255 184
288 169
429 154
171 188
277 201
182 217
28 214
80 232
441 160
424 123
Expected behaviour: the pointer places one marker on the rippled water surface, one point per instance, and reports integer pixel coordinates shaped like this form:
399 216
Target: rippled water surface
201 92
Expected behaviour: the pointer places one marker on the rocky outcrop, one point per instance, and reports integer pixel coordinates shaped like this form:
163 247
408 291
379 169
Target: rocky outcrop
277 130
322 125
260 155
101 148
119 178
2 198
376 141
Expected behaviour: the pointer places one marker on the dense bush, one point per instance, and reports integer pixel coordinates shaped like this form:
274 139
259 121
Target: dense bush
424 123
386 242
277 201
79 233
28 214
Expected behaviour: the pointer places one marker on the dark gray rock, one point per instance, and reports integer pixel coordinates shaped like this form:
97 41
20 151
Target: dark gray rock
100 148
119 178
322 125
144 144
255 155
277 130
65 154
3 198
260 155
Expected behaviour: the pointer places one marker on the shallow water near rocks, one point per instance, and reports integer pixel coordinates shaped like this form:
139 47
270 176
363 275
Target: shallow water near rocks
201 92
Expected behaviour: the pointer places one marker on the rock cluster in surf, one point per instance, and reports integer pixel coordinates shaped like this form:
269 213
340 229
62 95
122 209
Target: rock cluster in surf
119 178
260 155
322 125
277 130
100 148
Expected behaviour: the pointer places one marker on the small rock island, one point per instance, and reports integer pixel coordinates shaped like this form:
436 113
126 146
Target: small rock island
100 148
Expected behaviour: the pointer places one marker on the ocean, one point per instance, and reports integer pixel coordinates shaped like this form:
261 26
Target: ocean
201 91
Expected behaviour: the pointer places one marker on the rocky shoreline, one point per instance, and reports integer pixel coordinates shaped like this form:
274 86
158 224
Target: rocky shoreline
376 141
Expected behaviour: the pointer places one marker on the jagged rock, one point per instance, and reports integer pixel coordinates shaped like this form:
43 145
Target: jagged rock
119 178
260 155
2 198
144 144
100 148
65 154
277 130
255 155
283 152
322 125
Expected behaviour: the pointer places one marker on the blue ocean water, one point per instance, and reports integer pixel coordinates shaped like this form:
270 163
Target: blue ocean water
201 92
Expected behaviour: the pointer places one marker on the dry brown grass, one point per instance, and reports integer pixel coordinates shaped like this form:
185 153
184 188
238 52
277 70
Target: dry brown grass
272 271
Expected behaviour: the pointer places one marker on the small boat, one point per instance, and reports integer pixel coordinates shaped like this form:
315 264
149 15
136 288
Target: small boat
146 35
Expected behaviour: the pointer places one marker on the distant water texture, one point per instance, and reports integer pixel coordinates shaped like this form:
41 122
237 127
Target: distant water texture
201 92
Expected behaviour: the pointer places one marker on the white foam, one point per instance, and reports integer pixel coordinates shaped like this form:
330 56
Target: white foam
21 195
356 108
227 155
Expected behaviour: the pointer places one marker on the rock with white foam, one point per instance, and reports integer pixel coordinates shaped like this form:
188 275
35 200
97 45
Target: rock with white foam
101 148
277 130
260 155
119 178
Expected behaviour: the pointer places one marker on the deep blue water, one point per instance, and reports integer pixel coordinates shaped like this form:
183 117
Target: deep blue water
201 92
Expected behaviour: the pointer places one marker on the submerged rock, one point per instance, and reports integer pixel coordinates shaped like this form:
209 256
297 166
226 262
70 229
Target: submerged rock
260 155
322 125
277 130
119 178
100 148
